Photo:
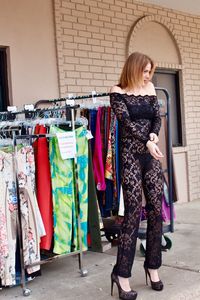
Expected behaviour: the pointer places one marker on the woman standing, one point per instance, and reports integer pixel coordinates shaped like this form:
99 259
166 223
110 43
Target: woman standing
136 107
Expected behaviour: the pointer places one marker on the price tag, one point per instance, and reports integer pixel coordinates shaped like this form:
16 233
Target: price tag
89 135
67 144
94 99
12 108
70 102
29 107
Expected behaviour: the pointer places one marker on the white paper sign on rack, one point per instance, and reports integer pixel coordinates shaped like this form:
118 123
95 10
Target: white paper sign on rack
70 101
12 108
67 144
94 99
89 135
29 107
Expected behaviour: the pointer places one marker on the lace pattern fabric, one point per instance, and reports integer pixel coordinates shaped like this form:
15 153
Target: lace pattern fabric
138 116
139 170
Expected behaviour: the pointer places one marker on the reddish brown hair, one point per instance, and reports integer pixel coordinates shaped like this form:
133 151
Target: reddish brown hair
132 72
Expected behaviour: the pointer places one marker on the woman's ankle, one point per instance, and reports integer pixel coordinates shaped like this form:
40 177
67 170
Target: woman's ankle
124 283
154 275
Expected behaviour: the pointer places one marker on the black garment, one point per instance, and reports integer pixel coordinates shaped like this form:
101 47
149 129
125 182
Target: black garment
138 116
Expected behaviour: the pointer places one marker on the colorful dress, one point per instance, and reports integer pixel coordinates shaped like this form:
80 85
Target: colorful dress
65 205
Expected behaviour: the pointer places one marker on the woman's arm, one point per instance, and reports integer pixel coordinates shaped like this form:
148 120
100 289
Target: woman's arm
156 122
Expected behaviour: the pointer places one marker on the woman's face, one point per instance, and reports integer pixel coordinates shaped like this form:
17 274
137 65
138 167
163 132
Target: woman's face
146 73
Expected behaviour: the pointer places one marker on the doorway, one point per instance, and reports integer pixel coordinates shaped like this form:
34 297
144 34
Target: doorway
4 88
170 81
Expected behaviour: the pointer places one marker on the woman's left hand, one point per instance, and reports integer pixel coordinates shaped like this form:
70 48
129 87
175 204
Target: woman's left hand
153 138
154 150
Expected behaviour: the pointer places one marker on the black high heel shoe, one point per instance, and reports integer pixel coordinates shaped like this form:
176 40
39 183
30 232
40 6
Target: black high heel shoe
155 285
131 295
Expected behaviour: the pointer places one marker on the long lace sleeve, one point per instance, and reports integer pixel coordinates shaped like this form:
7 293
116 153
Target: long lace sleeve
156 122
120 109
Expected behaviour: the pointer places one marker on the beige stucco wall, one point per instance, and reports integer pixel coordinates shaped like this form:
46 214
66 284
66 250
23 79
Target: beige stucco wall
187 6
27 28
151 36
92 43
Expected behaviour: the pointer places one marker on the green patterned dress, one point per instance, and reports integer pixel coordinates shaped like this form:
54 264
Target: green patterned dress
65 204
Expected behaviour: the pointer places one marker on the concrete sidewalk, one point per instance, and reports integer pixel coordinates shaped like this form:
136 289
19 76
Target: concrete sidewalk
180 271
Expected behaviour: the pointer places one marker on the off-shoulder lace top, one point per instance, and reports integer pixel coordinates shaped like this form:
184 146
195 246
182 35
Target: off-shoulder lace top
138 116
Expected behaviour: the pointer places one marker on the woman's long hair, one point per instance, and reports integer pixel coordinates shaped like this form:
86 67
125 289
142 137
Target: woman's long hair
132 72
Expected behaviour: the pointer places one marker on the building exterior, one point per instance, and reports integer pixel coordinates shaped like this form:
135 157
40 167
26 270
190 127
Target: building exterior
50 48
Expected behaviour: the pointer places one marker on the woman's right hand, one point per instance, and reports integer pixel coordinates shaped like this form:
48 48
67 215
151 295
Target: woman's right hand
154 150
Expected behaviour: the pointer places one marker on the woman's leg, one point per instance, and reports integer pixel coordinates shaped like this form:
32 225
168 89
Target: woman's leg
153 190
132 189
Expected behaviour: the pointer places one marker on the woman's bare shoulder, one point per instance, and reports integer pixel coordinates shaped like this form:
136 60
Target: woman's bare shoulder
150 89
116 89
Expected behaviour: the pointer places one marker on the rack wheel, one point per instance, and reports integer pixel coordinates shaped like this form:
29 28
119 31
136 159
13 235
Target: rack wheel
26 292
84 272
168 243
111 236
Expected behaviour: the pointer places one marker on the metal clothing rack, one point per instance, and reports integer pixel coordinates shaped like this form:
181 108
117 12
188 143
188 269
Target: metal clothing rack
30 114
89 96
34 112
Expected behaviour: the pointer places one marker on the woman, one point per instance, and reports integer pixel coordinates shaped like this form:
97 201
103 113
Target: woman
136 107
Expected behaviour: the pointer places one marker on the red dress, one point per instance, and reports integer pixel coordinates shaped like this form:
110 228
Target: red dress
43 186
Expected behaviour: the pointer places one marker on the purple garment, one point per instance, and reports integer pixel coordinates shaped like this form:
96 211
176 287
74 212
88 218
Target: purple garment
98 166
166 210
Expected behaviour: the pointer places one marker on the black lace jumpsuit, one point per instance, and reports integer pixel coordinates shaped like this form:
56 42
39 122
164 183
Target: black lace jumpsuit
138 116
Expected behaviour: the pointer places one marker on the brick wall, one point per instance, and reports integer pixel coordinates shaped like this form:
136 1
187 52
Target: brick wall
91 41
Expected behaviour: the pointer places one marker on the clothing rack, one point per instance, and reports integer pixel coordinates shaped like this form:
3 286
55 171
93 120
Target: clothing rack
32 114
89 96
